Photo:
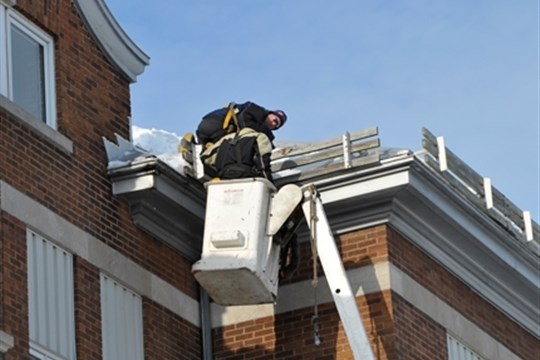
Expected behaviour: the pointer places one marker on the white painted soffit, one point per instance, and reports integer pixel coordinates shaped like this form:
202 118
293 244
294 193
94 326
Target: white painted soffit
116 44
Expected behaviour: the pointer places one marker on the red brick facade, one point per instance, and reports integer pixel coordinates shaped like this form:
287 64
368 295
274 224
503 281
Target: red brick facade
167 336
451 290
396 328
93 101
87 310
417 336
14 289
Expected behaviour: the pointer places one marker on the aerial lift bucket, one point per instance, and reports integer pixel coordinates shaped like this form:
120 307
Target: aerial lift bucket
239 263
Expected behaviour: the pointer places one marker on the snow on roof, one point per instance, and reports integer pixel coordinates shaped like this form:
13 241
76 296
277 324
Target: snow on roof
160 143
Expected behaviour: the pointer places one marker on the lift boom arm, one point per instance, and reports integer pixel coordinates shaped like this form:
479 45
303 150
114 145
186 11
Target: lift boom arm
335 274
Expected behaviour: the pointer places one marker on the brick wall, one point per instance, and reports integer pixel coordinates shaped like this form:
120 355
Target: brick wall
285 336
417 336
93 101
87 310
166 336
357 249
14 291
290 335
444 285
397 330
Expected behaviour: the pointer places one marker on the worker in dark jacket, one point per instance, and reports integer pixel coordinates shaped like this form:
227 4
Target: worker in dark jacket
248 114
246 126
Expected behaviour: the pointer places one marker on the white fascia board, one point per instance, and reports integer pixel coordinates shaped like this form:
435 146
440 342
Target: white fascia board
427 211
458 214
361 199
364 187
468 243
133 184
116 44
149 181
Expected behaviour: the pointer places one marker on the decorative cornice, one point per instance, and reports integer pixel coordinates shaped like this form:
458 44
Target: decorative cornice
163 203
116 44
470 245
415 201
421 206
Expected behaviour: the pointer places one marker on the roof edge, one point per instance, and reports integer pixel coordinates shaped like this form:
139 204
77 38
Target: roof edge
115 43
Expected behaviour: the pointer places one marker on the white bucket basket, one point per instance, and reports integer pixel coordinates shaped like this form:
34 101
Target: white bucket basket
239 264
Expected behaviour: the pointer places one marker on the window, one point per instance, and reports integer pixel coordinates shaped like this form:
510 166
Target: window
458 351
27 66
121 319
50 299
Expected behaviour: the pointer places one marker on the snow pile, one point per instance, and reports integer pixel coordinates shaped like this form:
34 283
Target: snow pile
162 144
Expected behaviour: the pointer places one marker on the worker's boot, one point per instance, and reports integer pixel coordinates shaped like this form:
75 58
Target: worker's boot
185 147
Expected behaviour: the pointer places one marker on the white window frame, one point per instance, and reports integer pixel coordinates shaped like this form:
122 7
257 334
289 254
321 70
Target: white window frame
51 299
9 18
121 321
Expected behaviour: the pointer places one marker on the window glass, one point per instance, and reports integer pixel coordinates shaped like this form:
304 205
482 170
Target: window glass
28 82
27 75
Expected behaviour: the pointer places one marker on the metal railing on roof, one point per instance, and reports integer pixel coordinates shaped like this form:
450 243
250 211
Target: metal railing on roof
302 162
479 190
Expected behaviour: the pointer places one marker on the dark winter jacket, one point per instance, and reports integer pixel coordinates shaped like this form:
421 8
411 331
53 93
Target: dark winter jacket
249 115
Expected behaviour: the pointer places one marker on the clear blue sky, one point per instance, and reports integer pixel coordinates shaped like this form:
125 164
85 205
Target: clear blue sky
466 70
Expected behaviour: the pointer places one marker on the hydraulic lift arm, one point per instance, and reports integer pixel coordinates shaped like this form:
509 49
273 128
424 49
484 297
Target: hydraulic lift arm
335 274
240 260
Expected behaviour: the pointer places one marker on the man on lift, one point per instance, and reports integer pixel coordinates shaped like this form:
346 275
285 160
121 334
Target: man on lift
238 140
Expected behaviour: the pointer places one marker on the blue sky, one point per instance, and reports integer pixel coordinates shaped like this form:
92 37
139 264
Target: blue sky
466 70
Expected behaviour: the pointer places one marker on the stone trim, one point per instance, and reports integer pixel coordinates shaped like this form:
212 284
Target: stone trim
38 127
6 342
50 225
365 280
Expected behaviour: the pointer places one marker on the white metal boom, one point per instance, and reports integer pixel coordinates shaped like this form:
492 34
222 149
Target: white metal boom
335 274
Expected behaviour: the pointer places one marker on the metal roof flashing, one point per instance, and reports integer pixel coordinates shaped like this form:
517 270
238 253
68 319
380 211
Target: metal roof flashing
112 39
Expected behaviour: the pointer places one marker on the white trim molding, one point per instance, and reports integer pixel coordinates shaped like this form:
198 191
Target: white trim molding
73 239
365 280
422 207
116 44
416 202
446 316
44 131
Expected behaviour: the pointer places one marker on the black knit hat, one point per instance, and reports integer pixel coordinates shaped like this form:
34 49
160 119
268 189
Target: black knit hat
282 117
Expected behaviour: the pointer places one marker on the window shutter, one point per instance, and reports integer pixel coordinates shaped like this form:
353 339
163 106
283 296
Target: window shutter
121 317
50 296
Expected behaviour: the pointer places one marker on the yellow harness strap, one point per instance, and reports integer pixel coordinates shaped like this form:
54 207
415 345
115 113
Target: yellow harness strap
229 116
